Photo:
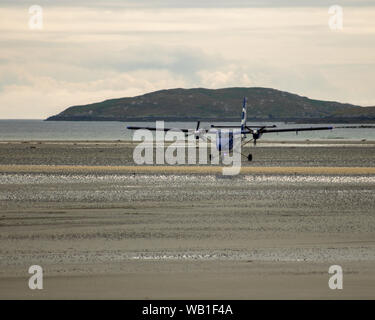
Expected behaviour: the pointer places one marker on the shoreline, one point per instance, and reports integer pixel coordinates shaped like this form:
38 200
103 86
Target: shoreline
259 143
203 170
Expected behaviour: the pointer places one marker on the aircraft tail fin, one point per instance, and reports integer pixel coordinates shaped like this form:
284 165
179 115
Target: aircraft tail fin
243 116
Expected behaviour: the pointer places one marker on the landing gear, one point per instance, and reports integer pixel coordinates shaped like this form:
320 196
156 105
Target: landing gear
250 157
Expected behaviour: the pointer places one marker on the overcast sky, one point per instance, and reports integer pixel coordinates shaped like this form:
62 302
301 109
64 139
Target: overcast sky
89 51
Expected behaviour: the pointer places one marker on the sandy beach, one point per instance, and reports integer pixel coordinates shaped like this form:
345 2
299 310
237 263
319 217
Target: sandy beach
103 228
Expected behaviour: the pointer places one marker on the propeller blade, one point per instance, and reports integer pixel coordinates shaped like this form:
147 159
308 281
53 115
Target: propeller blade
198 123
193 134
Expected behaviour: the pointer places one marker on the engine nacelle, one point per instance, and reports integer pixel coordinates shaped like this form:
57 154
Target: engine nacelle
256 134
199 133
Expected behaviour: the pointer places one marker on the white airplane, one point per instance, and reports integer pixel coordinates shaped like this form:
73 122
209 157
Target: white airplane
224 136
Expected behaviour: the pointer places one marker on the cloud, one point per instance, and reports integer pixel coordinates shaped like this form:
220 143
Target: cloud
106 4
45 96
90 53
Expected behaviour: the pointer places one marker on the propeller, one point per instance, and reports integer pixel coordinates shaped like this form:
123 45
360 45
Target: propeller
197 132
257 134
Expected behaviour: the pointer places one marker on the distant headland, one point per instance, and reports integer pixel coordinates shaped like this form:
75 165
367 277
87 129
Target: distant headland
264 104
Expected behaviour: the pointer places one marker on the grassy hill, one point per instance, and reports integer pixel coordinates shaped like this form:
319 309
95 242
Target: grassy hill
218 105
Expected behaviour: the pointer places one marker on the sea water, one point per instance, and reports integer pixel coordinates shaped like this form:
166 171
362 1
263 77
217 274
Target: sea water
113 130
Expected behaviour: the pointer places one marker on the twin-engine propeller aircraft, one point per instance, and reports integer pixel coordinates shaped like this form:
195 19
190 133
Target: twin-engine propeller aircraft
224 136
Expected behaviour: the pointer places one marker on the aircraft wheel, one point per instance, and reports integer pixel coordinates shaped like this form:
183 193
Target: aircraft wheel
250 157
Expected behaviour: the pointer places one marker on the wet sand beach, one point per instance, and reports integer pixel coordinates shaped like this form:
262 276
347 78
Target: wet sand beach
102 228
323 153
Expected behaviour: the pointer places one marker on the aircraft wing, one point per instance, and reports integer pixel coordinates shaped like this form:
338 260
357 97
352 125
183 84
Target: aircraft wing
215 126
296 129
158 129
222 127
